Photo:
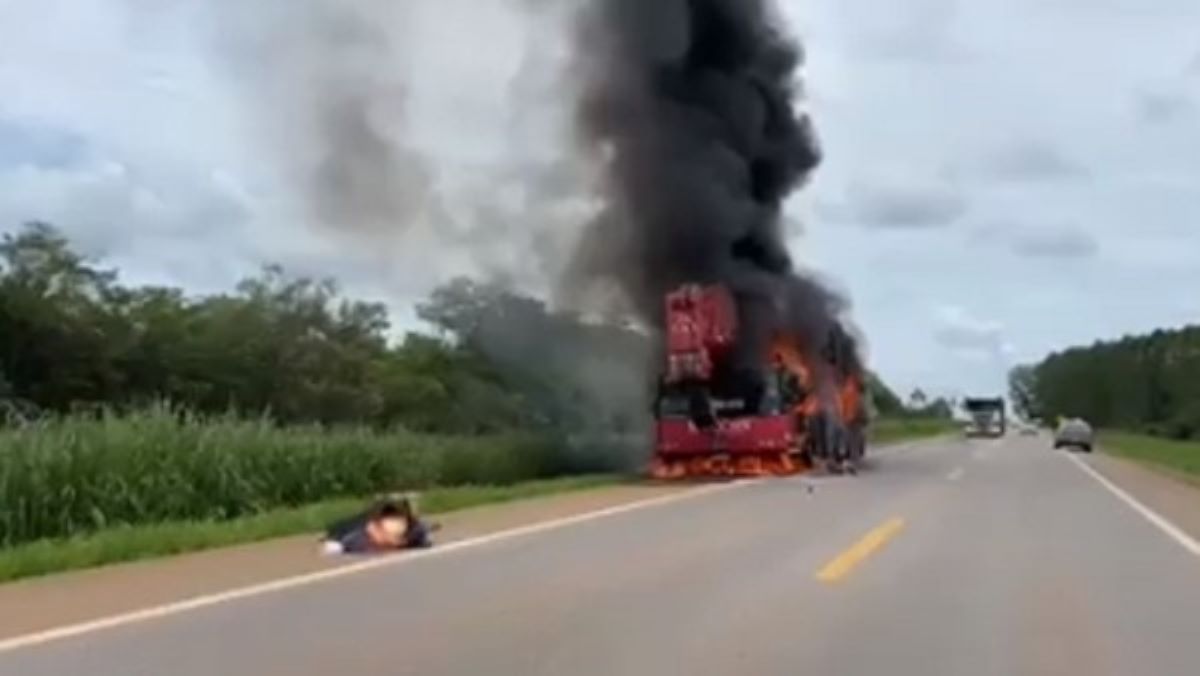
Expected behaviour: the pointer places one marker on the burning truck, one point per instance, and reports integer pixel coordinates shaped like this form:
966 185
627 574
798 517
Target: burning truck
693 110
712 421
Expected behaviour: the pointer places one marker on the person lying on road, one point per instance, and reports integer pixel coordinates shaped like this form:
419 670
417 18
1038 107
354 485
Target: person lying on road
388 525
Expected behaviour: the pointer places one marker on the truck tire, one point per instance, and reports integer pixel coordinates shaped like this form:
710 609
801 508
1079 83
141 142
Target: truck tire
839 442
858 448
824 443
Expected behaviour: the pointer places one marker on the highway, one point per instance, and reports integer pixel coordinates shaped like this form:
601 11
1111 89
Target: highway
947 557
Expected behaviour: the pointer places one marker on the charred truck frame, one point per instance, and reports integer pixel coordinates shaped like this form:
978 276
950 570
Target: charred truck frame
712 421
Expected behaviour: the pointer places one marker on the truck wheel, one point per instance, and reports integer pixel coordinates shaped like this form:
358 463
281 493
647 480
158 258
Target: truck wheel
858 445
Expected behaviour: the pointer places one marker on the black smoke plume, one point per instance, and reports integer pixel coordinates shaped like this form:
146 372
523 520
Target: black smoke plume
692 107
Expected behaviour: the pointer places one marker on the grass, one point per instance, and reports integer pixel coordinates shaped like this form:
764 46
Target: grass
895 430
1182 457
130 543
72 476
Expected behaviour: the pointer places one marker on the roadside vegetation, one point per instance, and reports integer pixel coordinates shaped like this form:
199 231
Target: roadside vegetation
130 543
1178 457
281 393
1147 384
898 420
900 429
140 420
66 476
1145 390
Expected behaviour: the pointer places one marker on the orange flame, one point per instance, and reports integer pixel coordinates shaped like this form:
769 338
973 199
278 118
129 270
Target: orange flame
786 354
850 398
750 466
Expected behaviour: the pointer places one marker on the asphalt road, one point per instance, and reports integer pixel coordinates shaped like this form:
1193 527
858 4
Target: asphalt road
951 557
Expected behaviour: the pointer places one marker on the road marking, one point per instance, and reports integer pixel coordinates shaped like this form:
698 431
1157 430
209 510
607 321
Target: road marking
1174 532
847 561
956 474
283 584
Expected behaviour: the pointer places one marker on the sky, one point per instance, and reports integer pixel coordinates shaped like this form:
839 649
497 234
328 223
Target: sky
1003 178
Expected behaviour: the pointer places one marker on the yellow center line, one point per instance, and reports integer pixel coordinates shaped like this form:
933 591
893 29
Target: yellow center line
847 561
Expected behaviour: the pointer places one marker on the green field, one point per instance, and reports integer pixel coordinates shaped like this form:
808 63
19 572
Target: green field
131 543
73 476
1182 457
895 430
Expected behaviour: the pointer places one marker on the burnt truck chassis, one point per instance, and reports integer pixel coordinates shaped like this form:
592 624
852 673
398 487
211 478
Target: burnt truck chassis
705 426
698 433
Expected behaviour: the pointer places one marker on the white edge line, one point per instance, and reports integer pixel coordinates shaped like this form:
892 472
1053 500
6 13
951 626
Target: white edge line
956 474
161 611
1174 532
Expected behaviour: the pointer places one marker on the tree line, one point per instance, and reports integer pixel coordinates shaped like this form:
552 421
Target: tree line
73 337
1148 383
293 348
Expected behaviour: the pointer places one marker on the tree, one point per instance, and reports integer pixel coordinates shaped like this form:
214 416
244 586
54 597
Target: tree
884 400
1149 382
286 346
1022 391
918 399
297 350
56 332
577 376
939 408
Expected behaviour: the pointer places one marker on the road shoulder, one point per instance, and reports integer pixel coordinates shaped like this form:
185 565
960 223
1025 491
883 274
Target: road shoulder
42 603
1172 497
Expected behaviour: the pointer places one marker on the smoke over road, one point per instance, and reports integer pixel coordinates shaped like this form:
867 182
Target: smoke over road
690 106
687 109
324 81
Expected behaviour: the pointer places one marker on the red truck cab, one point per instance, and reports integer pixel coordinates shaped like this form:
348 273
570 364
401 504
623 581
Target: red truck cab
697 432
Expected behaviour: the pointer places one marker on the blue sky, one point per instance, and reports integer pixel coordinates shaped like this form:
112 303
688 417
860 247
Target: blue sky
1003 177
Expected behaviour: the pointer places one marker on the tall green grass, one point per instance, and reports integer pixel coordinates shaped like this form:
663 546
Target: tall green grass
71 476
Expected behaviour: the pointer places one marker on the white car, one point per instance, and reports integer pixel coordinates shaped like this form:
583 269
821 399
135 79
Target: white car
1074 433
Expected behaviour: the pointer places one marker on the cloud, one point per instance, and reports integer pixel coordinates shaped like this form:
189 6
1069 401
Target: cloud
109 209
1155 108
899 205
1055 242
921 31
910 84
1021 162
960 331
1037 241
30 143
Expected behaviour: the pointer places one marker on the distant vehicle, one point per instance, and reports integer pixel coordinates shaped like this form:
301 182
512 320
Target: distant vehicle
1028 430
987 417
1074 433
